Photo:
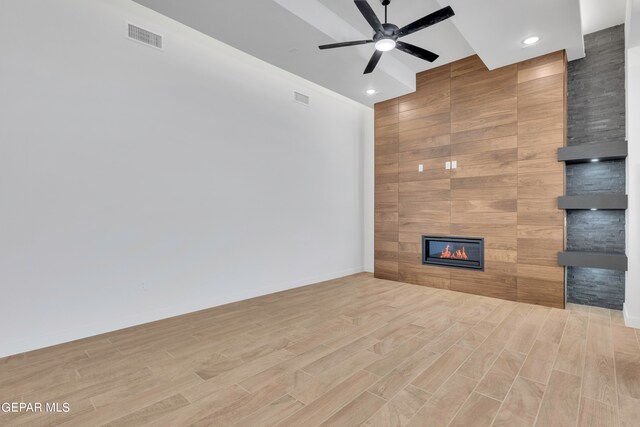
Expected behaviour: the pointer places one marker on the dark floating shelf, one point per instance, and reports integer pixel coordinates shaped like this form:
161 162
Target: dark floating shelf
586 152
593 260
593 201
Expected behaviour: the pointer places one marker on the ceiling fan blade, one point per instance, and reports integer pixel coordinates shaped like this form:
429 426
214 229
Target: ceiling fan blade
373 62
416 51
369 15
427 21
344 44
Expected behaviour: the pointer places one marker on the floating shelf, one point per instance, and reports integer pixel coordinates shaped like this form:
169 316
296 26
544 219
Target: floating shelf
593 260
593 201
586 152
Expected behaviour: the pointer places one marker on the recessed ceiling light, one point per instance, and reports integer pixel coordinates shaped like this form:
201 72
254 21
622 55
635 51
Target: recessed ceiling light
384 45
594 209
595 160
371 91
531 40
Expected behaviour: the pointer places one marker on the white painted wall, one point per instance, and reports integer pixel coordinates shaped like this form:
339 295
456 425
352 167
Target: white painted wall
632 292
137 184
632 287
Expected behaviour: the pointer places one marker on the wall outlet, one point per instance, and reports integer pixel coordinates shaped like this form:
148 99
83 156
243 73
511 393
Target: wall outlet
447 165
420 168
454 164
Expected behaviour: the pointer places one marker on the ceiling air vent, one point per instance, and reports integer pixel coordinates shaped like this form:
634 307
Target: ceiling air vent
300 98
144 36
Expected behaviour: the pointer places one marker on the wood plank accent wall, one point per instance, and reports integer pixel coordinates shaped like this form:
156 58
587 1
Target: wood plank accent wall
503 127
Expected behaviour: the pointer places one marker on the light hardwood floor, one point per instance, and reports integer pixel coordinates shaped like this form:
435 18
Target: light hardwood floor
351 351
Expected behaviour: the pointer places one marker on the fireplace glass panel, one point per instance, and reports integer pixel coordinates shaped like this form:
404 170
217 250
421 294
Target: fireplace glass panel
457 252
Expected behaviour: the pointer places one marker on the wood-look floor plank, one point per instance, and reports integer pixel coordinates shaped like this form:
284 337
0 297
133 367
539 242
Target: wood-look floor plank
356 412
540 361
396 357
497 382
439 371
197 411
478 410
571 355
288 366
521 405
330 402
399 410
244 406
594 413
627 371
401 376
350 351
236 375
477 335
445 403
151 412
599 379
481 360
599 338
307 388
331 359
561 401
272 414
629 411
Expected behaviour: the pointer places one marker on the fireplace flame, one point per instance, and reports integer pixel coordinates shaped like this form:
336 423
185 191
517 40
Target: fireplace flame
458 254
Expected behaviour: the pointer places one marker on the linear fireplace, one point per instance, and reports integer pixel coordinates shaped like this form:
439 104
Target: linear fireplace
455 252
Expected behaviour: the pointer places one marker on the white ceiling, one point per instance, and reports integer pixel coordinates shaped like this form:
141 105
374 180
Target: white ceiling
600 14
495 29
286 33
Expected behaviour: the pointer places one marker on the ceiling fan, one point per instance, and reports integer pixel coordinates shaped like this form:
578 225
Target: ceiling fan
386 35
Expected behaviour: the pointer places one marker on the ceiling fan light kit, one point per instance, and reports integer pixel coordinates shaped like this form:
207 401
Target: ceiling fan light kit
385 45
386 35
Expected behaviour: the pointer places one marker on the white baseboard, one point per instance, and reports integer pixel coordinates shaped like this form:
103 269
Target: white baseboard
630 321
36 342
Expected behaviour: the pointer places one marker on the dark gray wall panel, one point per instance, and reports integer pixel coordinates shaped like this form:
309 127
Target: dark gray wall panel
596 105
596 114
602 177
595 231
596 287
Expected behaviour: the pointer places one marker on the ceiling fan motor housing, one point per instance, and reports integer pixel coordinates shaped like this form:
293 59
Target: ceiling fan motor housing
389 32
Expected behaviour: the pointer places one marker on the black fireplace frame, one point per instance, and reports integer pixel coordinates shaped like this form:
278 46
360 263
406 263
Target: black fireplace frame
452 263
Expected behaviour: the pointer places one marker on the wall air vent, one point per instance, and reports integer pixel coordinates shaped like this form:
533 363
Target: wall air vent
300 98
145 36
